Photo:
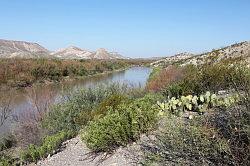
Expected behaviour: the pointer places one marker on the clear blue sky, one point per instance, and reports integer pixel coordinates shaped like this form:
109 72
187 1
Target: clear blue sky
135 28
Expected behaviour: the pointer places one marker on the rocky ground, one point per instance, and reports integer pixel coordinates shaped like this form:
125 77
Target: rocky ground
75 153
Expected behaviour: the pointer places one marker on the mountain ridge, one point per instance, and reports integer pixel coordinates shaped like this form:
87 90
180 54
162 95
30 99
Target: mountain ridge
24 49
12 49
238 50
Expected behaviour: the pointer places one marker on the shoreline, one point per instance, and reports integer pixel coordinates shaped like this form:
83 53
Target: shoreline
6 87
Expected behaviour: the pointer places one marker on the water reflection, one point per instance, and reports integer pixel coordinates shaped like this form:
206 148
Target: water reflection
29 101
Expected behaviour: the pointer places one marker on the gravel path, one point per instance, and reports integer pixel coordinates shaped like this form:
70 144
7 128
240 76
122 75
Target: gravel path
76 154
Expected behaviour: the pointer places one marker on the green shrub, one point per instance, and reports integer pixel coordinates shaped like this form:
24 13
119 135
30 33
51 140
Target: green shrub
82 71
63 116
208 77
154 73
54 73
186 143
49 145
38 72
6 160
163 78
122 124
174 90
68 115
83 118
219 137
191 82
240 81
111 102
216 77
7 142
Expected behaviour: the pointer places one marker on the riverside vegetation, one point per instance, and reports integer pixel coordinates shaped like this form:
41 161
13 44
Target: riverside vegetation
24 72
202 112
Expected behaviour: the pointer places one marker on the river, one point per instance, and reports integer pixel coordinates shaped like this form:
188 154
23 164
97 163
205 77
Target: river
27 100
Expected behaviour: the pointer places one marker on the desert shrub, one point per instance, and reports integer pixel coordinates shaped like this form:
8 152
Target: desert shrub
233 125
219 137
38 72
239 80
110 66
83 118
98 69
189 82
163 78
155 71
28 132
54 73
6 160
112 101
173 90
49 145
122 124
60 117
137 92
82 71
208 77
224 76
186 144
7 142
77 110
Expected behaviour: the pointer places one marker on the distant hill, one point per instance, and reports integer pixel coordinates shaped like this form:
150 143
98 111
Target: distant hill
172 59
71 53
23 49
78 53
233 51
239 50
101 53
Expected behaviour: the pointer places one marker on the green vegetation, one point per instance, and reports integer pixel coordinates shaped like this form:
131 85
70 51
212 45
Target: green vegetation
7 142
122 124
209 129
6 160
220 137
82 107
197 104
111 102
186 144
203 112
175 81
23 72
48 147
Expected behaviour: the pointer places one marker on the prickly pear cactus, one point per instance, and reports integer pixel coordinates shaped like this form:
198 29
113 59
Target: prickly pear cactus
194 103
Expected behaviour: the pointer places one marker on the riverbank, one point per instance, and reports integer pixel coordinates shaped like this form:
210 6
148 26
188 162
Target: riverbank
94 75
18 73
